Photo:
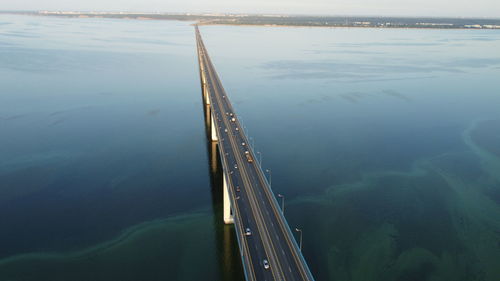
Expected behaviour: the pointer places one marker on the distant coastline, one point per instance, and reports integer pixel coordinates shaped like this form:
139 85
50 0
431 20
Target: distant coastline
284 20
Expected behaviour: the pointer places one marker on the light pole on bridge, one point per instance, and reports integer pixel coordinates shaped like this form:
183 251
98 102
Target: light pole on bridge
300 243
282 203
245 129
252 142
260 158
270 176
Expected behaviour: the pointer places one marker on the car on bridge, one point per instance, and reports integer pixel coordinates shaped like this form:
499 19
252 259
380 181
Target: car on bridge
265 263
248 232
248 156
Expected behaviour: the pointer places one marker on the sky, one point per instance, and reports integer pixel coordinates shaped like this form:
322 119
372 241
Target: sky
433 8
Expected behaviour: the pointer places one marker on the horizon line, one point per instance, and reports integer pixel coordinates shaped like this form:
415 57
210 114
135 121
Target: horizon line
240 14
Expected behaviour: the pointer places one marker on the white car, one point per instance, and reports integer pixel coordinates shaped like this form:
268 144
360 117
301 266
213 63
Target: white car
248 232
265 263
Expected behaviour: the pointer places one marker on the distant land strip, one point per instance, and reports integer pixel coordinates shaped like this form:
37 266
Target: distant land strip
287 20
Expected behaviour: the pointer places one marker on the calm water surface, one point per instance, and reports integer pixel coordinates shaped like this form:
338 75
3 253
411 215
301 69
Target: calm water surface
386 144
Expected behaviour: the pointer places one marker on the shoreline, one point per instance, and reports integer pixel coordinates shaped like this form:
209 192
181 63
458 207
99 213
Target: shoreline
333 27
289 21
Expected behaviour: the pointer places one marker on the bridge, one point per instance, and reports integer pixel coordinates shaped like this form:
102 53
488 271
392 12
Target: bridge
267 247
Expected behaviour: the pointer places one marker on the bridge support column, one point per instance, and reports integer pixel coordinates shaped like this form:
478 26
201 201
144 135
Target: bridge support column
213 130
204 88
208 115
214 156
228 216
206 95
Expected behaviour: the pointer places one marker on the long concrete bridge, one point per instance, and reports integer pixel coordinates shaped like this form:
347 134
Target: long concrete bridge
267 247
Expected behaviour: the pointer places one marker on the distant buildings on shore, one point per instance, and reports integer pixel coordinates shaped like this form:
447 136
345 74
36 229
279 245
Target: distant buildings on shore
289 20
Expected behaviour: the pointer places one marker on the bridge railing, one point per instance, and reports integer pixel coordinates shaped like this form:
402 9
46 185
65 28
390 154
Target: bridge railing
280 213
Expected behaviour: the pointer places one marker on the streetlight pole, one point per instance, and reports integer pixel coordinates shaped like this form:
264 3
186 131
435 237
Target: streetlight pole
270 176
245 129
282 203
260 158
300 231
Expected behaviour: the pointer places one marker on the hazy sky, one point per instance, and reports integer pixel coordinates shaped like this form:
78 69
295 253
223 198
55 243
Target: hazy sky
453 8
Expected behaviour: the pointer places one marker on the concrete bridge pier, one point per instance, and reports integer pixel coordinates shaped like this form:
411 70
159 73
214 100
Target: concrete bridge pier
206 101
213 130
208 114
206 94
227 212
213 155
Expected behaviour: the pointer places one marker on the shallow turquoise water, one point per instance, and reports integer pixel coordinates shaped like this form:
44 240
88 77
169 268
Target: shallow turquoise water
379 139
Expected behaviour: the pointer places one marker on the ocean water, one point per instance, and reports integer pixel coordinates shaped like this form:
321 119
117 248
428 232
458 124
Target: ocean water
385 142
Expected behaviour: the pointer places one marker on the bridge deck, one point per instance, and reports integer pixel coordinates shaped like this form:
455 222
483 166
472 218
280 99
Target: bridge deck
253 204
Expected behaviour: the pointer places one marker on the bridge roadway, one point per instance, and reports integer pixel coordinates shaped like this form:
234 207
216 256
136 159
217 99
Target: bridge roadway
253 204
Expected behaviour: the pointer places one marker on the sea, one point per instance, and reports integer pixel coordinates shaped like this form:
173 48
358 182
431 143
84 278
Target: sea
384 142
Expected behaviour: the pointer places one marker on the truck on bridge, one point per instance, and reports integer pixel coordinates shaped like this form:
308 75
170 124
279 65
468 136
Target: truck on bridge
248 156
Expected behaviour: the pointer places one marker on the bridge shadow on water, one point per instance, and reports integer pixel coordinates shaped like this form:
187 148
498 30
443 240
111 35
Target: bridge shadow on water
228 255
